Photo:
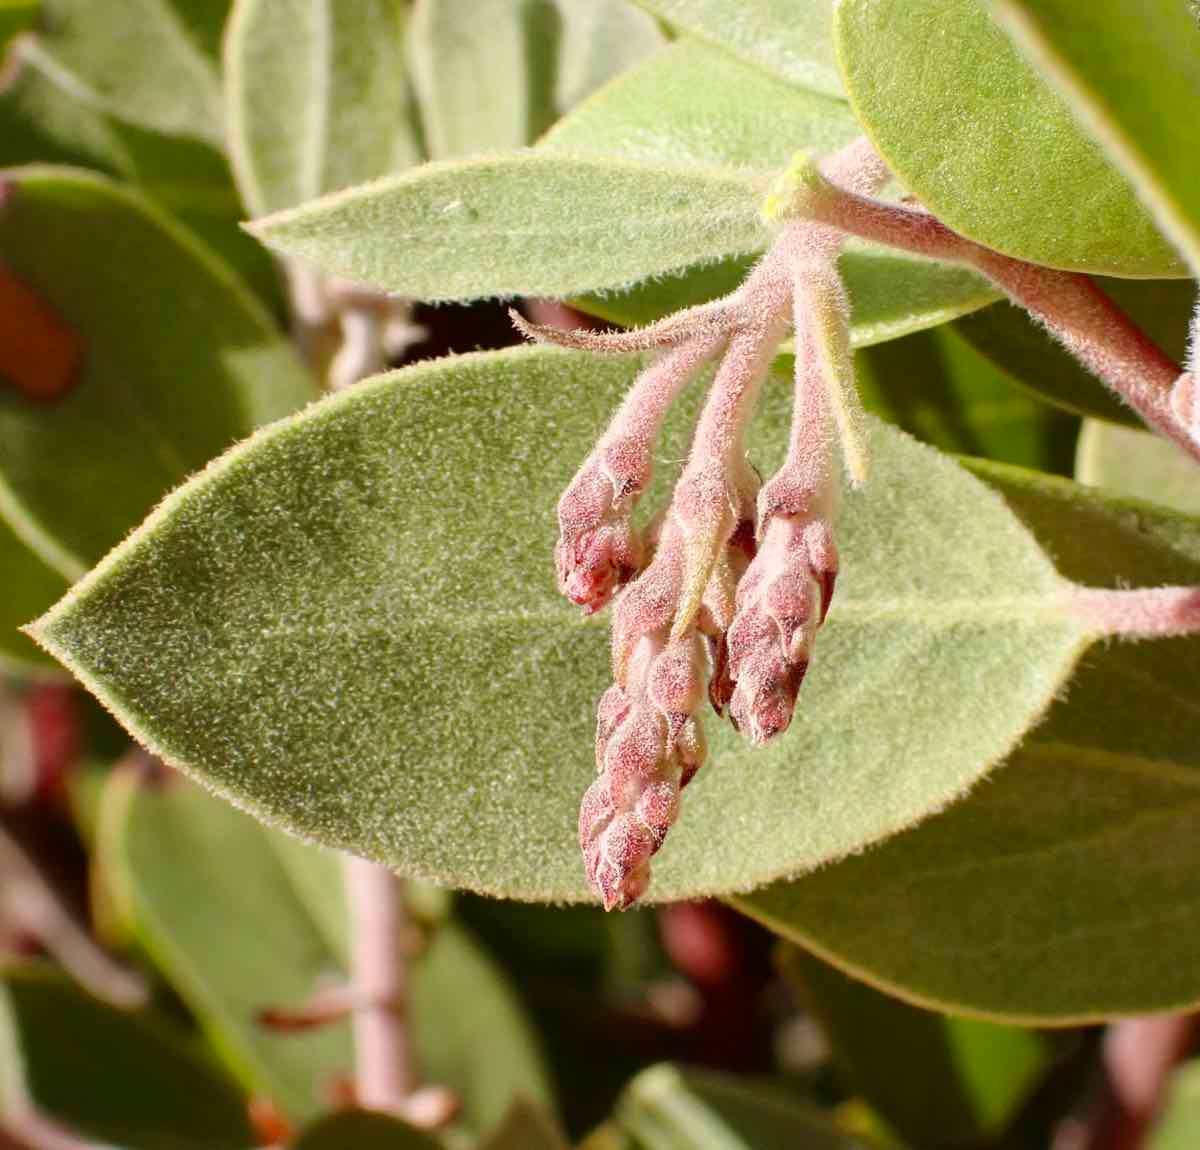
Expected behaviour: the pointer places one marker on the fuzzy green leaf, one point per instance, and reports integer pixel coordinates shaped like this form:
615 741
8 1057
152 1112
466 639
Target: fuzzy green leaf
963 1080
1054 892
189 869
1138 463
1008 337
666 1108
791 38
523 224
362 1130
1131 71
675 108
179 360
316 97
152 62
985 143
111 1075
349 625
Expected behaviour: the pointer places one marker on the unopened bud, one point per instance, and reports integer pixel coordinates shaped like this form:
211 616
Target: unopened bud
782 602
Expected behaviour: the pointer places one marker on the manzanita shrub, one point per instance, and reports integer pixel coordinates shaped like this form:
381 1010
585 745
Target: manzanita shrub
821 539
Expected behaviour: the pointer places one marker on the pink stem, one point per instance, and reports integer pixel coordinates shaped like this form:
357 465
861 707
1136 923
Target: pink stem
1149 613
1069 304
384 1058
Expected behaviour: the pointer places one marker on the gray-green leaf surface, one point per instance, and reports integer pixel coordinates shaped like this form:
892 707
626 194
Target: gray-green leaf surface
523 224
1061 889
372 651
791 38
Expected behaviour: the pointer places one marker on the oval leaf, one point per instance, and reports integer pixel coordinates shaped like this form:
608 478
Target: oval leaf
675 107
1131 71
985 143
523 224
179 361
316 97
349 625
1052 894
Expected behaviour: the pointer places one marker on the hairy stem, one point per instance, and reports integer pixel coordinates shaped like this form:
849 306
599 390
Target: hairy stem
385 1064
1149 613
1069 304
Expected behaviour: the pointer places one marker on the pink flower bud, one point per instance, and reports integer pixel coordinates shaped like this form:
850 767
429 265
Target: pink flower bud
648 745
781 602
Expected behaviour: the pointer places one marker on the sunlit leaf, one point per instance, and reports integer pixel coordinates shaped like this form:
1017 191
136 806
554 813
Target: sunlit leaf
371 649
1131 71
1138 463
985 143
1053 893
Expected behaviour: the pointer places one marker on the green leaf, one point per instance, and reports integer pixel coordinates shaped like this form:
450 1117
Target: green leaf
41 121
29 586
110 1074
190 869
1131 71
600 39
316 97
1178 1125
179 361
350 626
362 1130
152 62
666 1108
15 17
962 1080
523 224
791 38
486 1053
484 71
524 1127
1138 463
936 387
987 145
675 108
1031 358
1051 894
208 899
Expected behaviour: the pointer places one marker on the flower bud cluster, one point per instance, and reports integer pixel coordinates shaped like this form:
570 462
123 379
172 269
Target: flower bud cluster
649 744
